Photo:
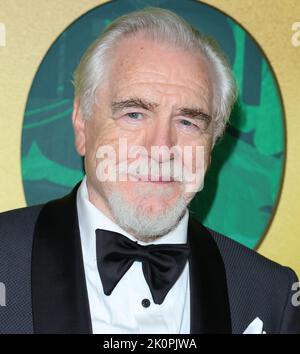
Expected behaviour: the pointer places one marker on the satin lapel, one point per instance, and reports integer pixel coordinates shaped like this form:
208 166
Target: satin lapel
59 295
210 312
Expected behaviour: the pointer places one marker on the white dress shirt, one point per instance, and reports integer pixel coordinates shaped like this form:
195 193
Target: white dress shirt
123 311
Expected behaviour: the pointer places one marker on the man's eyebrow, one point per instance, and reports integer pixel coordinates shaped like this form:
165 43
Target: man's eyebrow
136 102
194 113
133 102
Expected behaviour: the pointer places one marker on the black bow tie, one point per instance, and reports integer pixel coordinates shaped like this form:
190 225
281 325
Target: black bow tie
162 264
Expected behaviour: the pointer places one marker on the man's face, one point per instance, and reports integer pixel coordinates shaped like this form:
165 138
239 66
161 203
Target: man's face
153 95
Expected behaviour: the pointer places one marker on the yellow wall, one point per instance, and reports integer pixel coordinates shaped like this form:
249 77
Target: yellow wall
33 25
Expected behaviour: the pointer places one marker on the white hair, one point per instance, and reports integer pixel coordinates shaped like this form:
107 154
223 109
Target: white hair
162 26
138 221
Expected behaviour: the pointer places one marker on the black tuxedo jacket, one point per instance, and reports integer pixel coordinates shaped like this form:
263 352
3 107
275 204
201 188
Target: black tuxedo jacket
42 269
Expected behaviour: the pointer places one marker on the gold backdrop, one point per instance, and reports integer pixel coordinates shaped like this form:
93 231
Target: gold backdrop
31 26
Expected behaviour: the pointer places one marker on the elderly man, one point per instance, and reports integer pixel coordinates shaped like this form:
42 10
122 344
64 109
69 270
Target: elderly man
121 254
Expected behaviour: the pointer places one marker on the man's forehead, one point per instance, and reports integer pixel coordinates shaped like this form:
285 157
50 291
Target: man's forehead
151 96
146 56
179 77
155 87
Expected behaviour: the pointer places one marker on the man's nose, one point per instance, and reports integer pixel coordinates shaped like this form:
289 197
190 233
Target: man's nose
160 135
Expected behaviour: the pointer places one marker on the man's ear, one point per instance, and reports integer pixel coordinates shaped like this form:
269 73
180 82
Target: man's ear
208 163
78 122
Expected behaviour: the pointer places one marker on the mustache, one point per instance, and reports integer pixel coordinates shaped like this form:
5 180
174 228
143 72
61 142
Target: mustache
149 169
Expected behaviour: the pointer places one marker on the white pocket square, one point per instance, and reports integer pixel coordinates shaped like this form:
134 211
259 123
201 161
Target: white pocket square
255 327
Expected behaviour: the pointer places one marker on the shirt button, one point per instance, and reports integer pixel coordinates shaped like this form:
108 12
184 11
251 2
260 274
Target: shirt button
146 302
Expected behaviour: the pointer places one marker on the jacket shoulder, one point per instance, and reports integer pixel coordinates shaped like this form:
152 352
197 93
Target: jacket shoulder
16 236
233 253
18 221
257 286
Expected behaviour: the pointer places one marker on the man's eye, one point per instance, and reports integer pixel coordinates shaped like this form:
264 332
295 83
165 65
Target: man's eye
187 123
134 115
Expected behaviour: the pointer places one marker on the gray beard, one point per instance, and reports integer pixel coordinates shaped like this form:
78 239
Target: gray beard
141 225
